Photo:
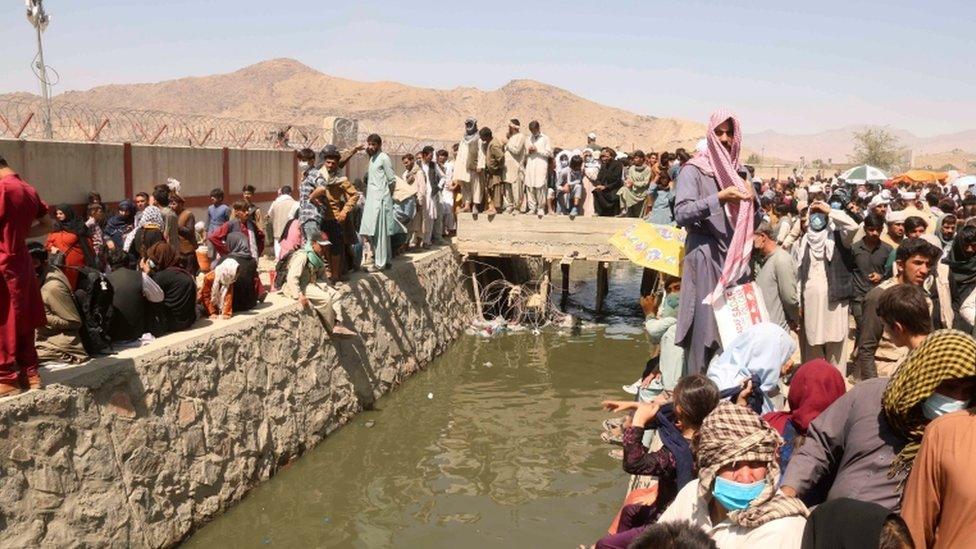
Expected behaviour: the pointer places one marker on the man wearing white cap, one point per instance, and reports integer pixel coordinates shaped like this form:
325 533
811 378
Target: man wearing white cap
879 205
514 171
917 209
895 219
591 143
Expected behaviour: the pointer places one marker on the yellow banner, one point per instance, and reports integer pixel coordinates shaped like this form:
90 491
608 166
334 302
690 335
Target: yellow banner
658 247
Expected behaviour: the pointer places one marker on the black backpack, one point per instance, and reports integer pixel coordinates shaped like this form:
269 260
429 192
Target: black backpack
94 298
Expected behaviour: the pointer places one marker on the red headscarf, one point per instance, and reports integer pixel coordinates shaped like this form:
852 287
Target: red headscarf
723 164
816 385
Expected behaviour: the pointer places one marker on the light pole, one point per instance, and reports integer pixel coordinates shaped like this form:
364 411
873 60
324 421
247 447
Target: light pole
39 19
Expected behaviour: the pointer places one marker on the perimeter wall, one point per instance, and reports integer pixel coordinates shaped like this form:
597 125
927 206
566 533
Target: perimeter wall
66 171
140 448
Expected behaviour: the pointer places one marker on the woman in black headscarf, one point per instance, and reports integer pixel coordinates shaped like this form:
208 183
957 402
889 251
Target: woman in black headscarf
177 311
70 237
120 224
248 289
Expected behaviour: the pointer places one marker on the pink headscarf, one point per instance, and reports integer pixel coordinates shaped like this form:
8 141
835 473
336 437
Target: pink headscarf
292 240
723 164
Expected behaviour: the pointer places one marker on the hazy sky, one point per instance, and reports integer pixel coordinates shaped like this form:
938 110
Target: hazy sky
795 69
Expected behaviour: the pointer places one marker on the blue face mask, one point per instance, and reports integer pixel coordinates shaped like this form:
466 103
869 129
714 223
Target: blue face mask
735 496
669 306
940 405
313 258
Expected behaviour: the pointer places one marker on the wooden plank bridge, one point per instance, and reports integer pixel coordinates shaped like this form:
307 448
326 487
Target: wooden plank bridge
551 237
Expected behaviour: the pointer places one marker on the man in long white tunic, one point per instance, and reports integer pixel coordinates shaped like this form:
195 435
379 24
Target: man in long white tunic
468 164
445 170
514 172
824 325
537 169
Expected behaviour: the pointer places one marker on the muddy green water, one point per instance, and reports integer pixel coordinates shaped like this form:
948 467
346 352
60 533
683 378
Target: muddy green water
495 444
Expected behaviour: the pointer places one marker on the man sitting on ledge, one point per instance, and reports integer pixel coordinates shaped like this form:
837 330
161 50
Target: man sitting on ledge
308 282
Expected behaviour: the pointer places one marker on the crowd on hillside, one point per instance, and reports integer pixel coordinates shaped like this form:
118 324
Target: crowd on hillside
728 444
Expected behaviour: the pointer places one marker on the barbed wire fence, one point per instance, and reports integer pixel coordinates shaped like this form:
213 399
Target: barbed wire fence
22 119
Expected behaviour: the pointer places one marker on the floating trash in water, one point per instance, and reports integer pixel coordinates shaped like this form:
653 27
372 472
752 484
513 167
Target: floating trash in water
488 328
430 396
266 541
327 520
370 423
536 332
488 364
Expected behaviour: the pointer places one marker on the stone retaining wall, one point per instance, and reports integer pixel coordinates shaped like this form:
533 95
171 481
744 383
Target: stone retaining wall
140 448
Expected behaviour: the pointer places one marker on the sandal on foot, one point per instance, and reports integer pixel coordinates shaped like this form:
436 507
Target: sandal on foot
612 423
611 438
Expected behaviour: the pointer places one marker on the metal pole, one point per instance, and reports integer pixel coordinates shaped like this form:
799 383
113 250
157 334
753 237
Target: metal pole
45 90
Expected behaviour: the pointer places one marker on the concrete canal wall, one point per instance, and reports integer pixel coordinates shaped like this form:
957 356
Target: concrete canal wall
140 448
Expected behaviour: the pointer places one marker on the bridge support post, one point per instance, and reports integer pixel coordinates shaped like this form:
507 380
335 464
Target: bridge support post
475 289
564 268
602 284
544 287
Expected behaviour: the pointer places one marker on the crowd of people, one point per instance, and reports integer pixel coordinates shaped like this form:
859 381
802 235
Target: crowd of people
729 442
527 174
732 444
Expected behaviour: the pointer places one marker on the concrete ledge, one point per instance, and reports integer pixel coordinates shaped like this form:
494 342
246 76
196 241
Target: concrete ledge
140 448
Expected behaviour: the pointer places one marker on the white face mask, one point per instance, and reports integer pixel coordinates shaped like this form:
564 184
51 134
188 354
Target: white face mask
940 405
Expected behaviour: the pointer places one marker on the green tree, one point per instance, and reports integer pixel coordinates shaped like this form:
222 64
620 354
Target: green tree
877 147
753 159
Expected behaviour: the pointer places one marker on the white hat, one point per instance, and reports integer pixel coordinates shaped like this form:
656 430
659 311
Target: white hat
816 188
878 200
908 195
886 195
591 135
896 216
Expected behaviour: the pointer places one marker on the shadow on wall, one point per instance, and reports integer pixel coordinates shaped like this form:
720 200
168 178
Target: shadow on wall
142 451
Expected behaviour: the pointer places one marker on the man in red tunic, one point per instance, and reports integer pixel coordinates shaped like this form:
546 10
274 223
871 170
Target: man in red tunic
21 308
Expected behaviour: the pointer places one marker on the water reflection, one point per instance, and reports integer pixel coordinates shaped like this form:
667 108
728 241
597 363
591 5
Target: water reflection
506 452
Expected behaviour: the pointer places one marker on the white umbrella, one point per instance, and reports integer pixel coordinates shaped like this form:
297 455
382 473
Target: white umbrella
860 175
964 183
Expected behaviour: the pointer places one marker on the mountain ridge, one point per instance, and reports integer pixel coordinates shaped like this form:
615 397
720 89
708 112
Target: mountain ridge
287 90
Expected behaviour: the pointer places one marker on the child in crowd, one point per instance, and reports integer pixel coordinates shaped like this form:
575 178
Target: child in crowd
695 396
